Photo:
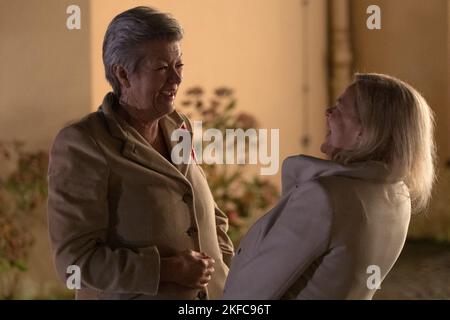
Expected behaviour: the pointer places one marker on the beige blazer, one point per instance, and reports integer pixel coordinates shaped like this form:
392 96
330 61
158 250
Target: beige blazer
322 240
115 206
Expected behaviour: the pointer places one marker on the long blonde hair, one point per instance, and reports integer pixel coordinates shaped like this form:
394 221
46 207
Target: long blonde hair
398 130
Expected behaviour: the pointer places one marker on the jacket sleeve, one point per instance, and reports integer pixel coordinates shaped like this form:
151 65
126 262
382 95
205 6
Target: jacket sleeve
299 235
78 217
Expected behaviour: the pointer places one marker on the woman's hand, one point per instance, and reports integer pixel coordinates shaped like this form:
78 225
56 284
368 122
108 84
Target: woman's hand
189 268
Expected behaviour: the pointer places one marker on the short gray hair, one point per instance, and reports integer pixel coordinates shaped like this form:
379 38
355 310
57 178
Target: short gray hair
127 31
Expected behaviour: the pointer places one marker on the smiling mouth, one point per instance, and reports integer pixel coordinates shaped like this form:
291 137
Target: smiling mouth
169 93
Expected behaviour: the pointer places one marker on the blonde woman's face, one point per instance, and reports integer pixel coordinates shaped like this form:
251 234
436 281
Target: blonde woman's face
343 124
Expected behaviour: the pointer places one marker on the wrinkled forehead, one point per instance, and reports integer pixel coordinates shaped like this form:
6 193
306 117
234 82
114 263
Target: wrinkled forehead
161 50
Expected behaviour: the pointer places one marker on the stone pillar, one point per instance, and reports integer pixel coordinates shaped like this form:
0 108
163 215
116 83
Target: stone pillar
447 160
340 47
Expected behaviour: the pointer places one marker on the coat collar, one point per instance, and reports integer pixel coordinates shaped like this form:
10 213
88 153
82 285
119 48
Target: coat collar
301 168
170 122
138 150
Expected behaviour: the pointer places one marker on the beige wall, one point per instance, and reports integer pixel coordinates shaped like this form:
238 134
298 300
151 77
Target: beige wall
266 50
44 78
253 46
44 83
412 46
52 75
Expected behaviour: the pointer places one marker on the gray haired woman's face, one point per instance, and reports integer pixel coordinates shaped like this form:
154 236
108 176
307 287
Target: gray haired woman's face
155 83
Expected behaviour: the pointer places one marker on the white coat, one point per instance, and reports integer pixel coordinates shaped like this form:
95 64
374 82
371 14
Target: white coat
333 230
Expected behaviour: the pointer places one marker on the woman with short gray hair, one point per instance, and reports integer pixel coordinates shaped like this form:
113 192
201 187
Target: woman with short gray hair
137 224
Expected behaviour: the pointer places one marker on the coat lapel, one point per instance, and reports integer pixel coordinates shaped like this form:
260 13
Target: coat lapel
171 123
137 150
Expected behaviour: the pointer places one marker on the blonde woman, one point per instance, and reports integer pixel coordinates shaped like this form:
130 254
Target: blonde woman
342 223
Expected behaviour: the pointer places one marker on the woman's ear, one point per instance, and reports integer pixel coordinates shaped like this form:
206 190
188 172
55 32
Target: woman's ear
121 75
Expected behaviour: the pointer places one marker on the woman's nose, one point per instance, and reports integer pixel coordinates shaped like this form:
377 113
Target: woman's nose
175 77
329 111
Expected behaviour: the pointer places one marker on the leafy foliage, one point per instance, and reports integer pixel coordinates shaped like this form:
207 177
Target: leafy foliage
20 192
239 195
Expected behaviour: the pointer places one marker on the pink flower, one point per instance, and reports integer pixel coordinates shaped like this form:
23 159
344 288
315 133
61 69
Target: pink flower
246 121
234 219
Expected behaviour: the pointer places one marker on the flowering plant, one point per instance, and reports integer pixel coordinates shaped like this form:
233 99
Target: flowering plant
22 188
237 193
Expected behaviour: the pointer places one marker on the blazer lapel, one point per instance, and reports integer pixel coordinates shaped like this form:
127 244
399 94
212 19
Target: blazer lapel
171 123
138 151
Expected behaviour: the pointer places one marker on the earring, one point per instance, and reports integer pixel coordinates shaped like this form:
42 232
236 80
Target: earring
122 102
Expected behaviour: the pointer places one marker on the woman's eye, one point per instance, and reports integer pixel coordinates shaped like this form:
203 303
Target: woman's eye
180 65
162 68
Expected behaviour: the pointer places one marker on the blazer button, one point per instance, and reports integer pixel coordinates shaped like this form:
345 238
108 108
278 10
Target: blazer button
201 295
191 231
187 197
